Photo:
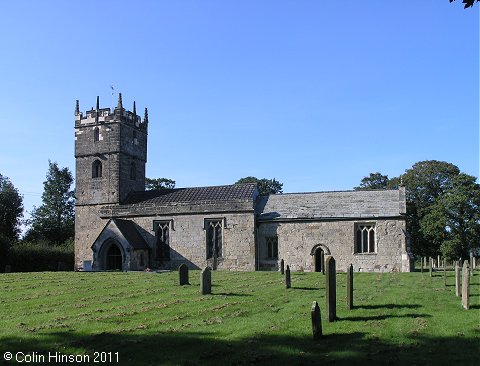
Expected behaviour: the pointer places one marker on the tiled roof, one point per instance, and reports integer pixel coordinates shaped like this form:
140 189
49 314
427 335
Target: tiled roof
130 232
347 204
192 195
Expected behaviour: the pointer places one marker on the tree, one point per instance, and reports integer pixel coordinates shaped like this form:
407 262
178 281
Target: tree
468 3
11 209
265 186
158 184
461 206
373 181
54 220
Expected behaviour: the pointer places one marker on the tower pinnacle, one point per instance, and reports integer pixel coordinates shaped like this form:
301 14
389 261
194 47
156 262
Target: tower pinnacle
120 103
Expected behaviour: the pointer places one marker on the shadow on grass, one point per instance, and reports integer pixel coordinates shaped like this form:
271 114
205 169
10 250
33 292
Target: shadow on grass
178 348
306 288
388 306
382 317
228 294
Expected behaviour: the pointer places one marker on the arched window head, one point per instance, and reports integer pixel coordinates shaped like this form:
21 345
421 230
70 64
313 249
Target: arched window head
133 171
96 134
97 169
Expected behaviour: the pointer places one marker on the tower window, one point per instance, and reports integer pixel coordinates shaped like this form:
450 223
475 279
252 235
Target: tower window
133 171
96 134
97 169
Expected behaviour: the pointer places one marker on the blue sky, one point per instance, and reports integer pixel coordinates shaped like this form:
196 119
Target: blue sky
317 94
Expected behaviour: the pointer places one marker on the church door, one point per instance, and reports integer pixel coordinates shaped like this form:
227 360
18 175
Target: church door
319 260
114 258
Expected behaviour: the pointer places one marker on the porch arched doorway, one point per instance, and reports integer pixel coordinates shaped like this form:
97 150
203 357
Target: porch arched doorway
113 258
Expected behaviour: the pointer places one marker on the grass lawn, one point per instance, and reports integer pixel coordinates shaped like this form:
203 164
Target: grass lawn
250 318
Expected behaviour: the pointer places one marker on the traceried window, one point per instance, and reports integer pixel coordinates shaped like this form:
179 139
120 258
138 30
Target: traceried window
214 238
162 233
365 241
133 171
272 247
97 169
96 134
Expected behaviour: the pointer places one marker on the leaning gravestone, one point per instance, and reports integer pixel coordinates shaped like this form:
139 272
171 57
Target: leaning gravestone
458 286
350 287
316 321
206 281
288 282
183 274
282 266
465 285
331 288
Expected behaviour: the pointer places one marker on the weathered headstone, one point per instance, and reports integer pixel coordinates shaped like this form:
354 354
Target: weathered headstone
206 281
445 272
282 267
8 268
458 286
288 282
471 264
350 287
465 285
316 321
183 274
331 288
430 267
439 261
425 262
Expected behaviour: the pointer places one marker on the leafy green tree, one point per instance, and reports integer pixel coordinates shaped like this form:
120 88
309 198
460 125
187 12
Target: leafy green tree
159 184
461 204
425 182
265 186
374 181
54 220
11 209
468 3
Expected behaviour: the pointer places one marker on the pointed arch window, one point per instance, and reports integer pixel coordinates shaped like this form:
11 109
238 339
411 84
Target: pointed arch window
96 134
365 240
97 169
133 171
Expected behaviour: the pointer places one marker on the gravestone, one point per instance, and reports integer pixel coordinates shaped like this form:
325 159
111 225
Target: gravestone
350 287
206 281
445 271
471 264
458 286
330 288
465 285
8 268
430 267
288 282
438 261
316 321
425 261
421 265
183 274
282 266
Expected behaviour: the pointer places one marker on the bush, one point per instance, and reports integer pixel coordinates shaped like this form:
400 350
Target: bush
4 246
40 256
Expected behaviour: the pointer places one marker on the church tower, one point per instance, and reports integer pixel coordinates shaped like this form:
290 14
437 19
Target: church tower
110 154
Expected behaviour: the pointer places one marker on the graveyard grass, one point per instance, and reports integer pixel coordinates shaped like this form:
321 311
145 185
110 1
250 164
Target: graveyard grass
250 318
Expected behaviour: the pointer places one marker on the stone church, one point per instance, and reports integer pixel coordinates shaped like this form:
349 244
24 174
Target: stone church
120 226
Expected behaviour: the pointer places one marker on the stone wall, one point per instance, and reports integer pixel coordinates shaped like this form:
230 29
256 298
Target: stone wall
297 239
188 240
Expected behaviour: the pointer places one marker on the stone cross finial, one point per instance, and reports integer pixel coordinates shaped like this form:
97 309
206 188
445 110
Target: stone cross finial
77 108
120 102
